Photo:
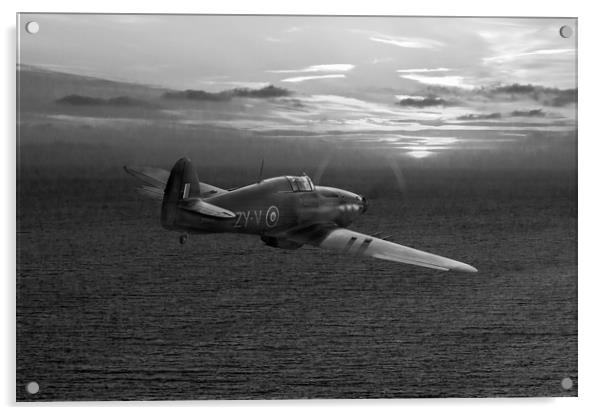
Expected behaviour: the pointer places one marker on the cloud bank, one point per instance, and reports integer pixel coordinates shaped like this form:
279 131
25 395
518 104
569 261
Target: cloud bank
407 42
546 96
309 78
269 91
120 101
336 67
423 70
450 80
422 102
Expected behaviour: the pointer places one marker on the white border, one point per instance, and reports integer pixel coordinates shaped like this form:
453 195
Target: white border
589 201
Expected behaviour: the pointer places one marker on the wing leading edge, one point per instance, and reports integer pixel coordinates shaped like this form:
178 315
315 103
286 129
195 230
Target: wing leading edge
355 243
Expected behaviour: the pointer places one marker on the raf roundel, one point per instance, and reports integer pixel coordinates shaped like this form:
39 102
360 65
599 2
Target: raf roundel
272 216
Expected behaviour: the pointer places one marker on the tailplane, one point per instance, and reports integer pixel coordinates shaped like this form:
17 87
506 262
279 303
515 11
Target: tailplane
183 183
183 202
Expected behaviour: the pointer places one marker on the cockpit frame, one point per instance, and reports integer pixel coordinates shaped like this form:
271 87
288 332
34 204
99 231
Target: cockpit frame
301 183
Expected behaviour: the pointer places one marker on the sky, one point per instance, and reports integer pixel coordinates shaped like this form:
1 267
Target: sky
338 55
417 87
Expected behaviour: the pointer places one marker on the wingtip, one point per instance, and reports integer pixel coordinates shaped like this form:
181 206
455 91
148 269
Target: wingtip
465 268
130 169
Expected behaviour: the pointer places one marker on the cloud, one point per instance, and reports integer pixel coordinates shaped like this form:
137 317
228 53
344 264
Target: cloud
381 60
529 52
266 92
471 117
335 67
307 78
400 41
450 80
422 70
400 97
422 102
514 56
547 96
407 42
269 91
236 84
528 113
497 115
121 101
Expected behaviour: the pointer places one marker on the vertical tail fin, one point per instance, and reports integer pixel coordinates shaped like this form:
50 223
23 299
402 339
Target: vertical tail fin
183 183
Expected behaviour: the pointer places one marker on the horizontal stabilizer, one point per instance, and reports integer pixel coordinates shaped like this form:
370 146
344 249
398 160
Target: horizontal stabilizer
157 178
149 175
197 205
152 192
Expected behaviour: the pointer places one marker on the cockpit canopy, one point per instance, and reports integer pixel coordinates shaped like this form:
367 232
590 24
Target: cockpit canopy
300 183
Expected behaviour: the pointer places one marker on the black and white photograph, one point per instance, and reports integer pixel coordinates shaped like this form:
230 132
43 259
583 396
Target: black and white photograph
276 207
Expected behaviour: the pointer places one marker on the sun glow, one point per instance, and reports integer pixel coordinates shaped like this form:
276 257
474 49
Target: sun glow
419 154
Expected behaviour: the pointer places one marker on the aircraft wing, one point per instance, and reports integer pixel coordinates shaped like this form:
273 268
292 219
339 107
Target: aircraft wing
356 243
155 180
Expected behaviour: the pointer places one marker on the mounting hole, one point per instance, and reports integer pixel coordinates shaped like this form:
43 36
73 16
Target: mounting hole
32 28
566 383
32 388
566 31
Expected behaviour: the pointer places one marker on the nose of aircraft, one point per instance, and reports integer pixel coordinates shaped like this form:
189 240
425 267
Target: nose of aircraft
364 204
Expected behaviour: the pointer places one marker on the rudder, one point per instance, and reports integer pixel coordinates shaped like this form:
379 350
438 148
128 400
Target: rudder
183 183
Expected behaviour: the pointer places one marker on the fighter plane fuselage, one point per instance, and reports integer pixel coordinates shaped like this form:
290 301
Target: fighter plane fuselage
276 204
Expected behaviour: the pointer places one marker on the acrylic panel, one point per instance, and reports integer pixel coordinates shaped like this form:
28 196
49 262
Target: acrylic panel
287 207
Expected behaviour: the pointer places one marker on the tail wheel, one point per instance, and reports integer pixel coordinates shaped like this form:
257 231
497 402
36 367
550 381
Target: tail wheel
183 239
